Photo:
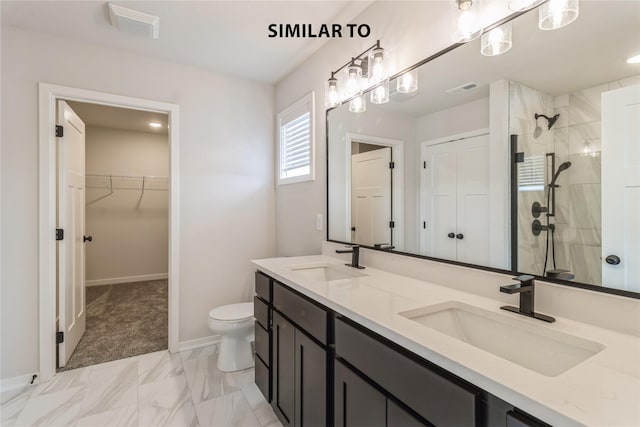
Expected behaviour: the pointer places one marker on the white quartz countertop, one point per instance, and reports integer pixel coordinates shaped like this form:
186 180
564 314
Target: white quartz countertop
603 390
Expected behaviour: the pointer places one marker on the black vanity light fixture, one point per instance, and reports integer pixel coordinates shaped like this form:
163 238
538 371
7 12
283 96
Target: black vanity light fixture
368 69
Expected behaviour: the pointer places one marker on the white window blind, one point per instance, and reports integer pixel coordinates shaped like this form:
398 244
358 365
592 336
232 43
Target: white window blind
296 142
531 173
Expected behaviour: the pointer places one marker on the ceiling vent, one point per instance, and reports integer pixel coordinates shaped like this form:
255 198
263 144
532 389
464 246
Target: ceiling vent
463 88
134 22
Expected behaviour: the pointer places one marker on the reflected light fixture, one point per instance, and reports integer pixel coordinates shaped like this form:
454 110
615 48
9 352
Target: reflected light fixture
358 104
331 96
497 41
155 125
360 73
408 82
556 14
380 94
634 60
520 5
466 15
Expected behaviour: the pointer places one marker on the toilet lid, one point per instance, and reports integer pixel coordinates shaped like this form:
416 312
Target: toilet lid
233 312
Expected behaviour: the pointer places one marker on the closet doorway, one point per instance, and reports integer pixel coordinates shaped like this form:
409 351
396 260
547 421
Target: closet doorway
78 187
122 206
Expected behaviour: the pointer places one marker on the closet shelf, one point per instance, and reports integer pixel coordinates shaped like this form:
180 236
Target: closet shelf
126 182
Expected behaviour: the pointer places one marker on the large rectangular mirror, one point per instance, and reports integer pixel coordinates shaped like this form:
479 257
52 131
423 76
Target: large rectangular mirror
528 161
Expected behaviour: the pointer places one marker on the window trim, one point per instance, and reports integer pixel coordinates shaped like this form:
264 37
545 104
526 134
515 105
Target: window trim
308 99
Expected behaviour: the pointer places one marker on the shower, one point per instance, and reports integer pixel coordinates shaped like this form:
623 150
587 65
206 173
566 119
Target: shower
549 211
550 122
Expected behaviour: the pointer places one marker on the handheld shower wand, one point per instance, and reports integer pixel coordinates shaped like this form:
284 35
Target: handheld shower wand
563 166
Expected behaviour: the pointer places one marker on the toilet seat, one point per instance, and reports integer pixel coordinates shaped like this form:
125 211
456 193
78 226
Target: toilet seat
232 312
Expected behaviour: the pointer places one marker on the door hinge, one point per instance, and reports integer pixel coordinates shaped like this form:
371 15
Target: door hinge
519 157
59 234
392 224
424 165
59 131
392 165
59 337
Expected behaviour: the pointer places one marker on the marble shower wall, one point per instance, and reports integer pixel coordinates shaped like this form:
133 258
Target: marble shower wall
524 103
575 138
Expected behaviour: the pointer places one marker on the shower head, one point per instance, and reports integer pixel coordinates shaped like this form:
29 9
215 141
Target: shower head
550 120
563 166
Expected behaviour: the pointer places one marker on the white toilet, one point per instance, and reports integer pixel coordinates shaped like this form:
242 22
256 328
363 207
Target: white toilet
234 322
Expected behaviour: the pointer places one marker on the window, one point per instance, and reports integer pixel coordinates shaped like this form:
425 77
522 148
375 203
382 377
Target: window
295 147
531 173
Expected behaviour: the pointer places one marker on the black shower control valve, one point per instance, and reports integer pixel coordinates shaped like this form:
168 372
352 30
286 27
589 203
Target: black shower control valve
612 259
451 235
459 236
537 209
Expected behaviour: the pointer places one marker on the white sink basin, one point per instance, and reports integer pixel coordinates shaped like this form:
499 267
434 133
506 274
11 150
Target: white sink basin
326 272
534 347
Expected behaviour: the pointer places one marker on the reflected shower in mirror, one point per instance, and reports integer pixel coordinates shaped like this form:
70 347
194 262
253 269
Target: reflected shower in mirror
566 101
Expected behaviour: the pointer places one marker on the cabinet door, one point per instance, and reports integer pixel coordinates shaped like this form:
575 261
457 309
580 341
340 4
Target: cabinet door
311 382
398 417
283 369
356 402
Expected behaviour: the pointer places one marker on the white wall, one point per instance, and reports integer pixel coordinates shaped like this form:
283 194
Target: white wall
410 31
129 230
453 121
226 176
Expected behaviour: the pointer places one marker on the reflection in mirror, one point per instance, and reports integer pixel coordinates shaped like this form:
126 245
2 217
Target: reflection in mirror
570 100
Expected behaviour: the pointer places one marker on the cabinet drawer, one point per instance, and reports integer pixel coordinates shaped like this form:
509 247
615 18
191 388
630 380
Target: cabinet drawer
304 313
439 400
262 344
261 312
262 379
263 286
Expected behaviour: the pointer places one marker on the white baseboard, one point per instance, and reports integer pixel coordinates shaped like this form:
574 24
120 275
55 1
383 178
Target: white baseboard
128 279
18 382
199 342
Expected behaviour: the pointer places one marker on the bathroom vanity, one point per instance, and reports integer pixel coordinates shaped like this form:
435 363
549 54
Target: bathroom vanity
346 347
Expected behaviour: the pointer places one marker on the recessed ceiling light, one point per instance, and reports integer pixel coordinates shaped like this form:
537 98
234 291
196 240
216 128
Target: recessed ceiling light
634 59
155 124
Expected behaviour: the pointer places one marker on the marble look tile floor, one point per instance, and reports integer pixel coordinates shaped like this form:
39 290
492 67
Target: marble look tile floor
151 390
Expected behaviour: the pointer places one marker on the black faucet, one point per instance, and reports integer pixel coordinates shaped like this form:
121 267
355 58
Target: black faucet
526 289
355 256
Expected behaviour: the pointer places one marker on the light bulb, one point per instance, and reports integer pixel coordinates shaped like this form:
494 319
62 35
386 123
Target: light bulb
358 104
497 41
380 94
352 86
556 14
331 97
408 82
377 72
467 20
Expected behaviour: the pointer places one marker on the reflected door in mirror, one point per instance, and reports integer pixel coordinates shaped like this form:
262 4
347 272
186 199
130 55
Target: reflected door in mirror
371 197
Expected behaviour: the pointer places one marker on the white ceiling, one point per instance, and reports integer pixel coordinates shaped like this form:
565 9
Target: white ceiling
590 51
229 37
119 118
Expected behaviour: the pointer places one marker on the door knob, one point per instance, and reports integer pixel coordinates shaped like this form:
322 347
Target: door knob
612 260
459 236
87 239
451 235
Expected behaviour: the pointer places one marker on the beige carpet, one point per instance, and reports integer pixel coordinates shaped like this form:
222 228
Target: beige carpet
122 321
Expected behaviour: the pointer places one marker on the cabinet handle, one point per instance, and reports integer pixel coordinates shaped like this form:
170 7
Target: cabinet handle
451 235
459 236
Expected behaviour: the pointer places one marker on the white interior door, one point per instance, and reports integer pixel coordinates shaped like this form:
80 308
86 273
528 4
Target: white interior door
472 207
621 187
439 200
71 218
371 197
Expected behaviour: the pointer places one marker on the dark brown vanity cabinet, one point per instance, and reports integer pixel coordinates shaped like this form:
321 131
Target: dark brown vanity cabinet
299 359
262 346
319 368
